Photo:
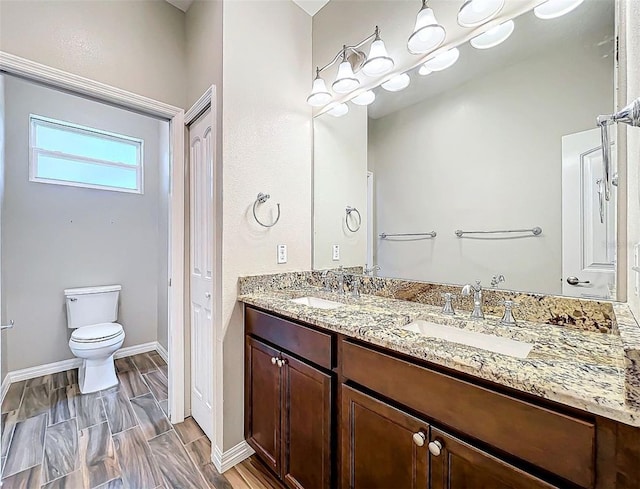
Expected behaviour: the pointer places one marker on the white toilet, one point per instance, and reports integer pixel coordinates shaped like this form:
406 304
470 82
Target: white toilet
91 312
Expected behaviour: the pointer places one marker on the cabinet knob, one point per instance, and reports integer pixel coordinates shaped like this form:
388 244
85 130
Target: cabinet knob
281 362
274 360
419 438
435 447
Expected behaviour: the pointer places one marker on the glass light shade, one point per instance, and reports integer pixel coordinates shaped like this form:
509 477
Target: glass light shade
427 34
365 98
397 83
555 8
424 71
494 36
476 12
319 94
378 62
443 60
339 110
345 80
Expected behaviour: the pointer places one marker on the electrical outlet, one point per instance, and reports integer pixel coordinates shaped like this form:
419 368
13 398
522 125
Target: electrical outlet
282 254
335 252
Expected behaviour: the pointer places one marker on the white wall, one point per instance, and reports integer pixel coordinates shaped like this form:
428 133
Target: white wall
266 148
134 45
339 180
56 237
486 155
633 148
3 316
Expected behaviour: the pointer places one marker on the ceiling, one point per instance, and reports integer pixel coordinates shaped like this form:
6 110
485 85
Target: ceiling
309 6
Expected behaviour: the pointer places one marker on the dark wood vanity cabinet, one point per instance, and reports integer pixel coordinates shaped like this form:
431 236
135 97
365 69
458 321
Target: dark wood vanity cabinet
325 411
288 416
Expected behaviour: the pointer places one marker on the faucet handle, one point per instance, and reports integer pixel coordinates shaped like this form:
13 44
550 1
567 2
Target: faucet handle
507 318
448 307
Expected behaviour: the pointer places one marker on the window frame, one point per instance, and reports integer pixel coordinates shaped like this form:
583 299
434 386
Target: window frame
34 152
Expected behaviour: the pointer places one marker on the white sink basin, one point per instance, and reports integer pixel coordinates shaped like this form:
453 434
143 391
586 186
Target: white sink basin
317 303
488 342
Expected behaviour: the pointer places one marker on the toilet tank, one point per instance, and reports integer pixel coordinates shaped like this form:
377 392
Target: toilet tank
92 305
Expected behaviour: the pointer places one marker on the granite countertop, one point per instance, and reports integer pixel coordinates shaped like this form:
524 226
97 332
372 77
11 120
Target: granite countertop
581 369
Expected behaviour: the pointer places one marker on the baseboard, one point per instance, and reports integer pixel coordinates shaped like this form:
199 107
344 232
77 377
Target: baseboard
162 352
55 367
223 461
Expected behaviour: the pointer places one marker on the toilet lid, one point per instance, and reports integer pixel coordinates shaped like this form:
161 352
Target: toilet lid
96 332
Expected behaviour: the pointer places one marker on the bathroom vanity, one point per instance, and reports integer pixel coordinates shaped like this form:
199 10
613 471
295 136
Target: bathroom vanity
346 396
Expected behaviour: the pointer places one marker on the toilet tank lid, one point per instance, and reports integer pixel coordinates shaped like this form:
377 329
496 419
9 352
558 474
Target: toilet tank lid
92 290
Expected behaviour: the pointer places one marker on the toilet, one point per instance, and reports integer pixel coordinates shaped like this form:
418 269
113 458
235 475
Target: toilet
91 313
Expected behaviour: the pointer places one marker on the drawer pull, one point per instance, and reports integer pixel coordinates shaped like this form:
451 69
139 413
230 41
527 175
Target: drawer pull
419 438
435 447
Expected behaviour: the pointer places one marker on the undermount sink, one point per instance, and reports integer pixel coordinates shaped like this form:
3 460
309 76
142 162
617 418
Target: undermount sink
488 342
317 302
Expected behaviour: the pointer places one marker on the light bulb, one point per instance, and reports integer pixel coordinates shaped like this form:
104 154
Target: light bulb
494 36
424 71
397 83
345 80
319 94
427 33
339 110
555 8
365 98
378 62
443 60
476 12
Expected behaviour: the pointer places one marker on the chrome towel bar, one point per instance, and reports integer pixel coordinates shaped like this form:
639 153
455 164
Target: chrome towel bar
536 231
431 234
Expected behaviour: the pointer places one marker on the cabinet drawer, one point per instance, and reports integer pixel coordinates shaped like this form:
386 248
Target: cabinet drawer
559 443
308 343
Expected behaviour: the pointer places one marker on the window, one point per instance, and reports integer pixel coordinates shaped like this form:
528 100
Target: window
68 154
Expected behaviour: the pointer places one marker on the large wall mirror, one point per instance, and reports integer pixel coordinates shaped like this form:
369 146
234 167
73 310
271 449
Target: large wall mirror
503 140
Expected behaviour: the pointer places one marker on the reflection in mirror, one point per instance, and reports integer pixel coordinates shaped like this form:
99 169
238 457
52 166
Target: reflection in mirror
503 140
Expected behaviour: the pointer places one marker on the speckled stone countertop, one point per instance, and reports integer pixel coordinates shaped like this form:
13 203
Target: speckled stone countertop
578 368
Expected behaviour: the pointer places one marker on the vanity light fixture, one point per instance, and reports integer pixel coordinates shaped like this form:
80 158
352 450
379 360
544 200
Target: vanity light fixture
378 62
346 81
476 12
397 83
365 98
555 8
443 60
493 36
319 94
351 60
424 71
427 34
339 110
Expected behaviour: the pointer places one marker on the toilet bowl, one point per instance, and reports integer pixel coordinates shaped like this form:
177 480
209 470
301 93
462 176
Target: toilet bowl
91 313
96 345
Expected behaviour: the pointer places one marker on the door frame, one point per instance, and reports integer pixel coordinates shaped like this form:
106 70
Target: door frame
206 101
30 70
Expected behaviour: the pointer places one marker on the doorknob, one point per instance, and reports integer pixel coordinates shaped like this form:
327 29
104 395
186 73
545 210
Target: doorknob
8 326
576 281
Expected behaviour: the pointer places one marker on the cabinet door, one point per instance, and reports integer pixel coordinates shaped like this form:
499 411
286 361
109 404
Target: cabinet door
382 447
262 394
458 465
306 421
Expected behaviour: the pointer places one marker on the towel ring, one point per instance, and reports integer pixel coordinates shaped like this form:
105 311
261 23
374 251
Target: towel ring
349 210
261 199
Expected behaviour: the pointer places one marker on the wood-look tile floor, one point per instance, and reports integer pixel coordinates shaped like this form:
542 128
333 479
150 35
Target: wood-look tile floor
54 437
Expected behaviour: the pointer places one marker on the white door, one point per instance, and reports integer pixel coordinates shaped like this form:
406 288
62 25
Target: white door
588 220
201 157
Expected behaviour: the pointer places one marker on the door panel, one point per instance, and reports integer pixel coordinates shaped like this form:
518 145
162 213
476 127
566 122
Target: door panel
462 466
378 450
263 400
306 458
201 211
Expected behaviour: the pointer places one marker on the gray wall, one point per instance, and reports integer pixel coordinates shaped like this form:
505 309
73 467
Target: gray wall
55 237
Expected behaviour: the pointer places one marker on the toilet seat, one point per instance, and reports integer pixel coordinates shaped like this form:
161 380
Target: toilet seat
97 333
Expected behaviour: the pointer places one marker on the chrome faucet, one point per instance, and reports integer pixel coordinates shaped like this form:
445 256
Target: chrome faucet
370 271
448 307
496 279
507 318
355 291
477 312
339 275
